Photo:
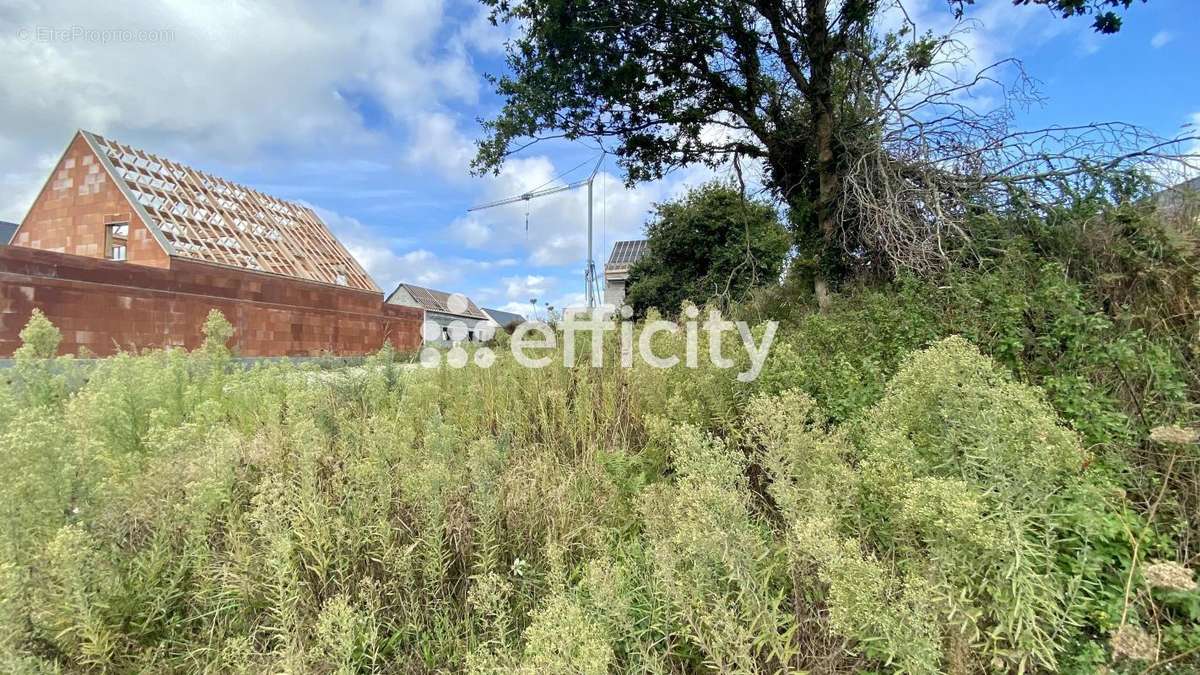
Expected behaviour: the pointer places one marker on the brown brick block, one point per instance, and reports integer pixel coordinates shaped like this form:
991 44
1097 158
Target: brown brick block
100 304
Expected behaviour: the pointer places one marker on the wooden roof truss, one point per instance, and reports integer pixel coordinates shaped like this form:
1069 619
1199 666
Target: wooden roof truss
204 217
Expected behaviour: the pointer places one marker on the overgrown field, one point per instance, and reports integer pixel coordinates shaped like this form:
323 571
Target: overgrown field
886 497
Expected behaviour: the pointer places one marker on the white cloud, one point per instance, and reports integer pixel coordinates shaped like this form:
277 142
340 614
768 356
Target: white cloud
19 187
1090 43
989 33
391 260
479 35
378 254
486 265
521 308
546 291
422 267
438 143
1161 38
470 231
557 224
525 288
559 249
228 81
569 300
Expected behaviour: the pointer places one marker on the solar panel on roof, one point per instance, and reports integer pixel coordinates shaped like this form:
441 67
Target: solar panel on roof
439 301
627 252
423 296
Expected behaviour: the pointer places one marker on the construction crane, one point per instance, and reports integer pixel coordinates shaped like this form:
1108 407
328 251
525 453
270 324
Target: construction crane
589 274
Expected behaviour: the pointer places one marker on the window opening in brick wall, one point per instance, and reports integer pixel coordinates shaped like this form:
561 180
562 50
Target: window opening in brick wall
116 241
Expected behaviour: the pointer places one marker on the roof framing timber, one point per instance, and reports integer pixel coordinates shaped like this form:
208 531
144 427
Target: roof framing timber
196 215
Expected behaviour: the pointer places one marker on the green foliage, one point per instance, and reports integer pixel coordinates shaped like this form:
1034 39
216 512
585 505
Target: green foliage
1096 305
955 523
793 86
843 358
1106 21
711 243
1105 324
217 333
1017 444
972 467
920 510
561 638
714 560
38 379
39 338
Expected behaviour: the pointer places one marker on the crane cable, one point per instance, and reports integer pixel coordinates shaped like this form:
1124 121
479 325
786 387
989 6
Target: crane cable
558 177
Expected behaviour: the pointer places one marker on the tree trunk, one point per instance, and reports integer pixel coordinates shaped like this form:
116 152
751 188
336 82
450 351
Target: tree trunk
820 98
829 185
821 290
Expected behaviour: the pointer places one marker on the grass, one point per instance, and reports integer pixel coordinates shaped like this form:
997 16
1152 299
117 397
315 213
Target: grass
175 513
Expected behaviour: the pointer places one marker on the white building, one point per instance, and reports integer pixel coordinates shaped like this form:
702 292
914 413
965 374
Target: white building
449 317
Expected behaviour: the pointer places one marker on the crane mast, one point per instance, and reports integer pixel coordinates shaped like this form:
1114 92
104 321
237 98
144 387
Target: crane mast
589 274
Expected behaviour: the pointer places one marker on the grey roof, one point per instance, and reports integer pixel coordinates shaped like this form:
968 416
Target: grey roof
439 301
503 318
1178 196
627 252
6 231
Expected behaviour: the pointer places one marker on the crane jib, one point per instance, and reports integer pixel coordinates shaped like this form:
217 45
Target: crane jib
590 271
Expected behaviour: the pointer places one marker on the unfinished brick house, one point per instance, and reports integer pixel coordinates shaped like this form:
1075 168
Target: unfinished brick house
166 243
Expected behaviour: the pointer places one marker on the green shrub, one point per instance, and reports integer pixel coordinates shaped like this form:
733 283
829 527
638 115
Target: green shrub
899 512
713 559
39 380
39 338
953 523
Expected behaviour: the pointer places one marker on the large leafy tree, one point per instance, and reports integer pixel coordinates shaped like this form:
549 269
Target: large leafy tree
711 243
677 82
814 91
1105 17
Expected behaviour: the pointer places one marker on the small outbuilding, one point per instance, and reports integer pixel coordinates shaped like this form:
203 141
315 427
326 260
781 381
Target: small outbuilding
449 317
616 270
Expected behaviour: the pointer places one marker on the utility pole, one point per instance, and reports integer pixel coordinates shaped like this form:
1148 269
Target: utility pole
589 274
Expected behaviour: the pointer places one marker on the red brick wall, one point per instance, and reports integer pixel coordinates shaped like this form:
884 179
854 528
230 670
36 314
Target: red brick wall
106 305
78 200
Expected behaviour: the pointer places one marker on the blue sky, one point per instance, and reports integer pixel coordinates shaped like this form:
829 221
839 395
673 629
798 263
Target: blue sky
367 111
